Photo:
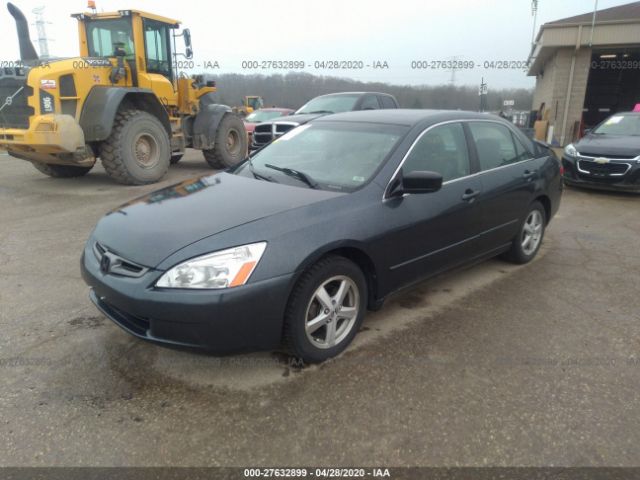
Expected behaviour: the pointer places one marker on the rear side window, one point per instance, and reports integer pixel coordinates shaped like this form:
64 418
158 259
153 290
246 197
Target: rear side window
521 151
387 102
370 102
495 145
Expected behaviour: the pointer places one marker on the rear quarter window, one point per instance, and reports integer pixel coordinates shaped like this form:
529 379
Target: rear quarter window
387 102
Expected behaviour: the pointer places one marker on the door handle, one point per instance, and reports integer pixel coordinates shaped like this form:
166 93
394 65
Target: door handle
470 194
528 174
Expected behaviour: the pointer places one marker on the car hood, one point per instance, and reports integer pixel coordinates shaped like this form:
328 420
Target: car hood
604 145
150 228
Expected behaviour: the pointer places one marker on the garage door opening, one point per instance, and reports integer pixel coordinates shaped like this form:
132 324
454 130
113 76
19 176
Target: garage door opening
613 85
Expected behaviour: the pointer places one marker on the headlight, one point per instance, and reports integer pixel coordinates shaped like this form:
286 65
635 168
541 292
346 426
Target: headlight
570 150
223 269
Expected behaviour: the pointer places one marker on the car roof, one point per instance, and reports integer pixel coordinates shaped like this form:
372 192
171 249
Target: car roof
352 93
406 117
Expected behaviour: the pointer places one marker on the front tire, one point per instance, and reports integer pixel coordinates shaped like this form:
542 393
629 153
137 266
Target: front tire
526 245
61 171
325 311
230 146
138 150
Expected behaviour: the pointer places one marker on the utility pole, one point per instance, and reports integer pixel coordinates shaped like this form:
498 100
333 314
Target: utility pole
534 12
43 41
454 68
484 89
593 23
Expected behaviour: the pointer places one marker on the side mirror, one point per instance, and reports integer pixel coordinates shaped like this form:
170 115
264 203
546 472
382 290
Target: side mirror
186 33
587 131
416 182
188 52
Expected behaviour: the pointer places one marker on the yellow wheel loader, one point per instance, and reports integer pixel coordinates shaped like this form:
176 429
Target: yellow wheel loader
250 104
123 101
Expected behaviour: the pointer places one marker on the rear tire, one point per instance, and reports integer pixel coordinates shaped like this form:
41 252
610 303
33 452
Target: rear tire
530 235
230 146
61 171
176 158
138 150
325 310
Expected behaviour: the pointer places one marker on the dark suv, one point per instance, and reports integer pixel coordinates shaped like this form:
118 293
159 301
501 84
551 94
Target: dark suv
319 106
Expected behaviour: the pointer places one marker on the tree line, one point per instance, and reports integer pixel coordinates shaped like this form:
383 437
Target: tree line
294 89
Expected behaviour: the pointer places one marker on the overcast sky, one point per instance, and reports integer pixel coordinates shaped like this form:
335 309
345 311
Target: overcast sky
397 32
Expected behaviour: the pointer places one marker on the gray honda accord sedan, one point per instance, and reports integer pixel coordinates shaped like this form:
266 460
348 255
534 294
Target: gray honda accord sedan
290 248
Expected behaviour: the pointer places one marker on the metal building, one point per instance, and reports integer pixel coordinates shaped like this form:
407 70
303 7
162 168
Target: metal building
586 67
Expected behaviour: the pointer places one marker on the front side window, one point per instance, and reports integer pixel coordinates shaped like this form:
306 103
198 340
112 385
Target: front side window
332 156
494 144
156 40
443 150
104 36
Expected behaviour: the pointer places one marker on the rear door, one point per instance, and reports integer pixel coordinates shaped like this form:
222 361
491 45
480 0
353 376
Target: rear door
508 173
433 231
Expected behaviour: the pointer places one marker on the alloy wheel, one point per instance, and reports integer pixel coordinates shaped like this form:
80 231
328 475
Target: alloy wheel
532 232
332 312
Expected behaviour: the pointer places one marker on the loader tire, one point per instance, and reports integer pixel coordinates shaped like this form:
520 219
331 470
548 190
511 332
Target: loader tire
61 171
230 146
138 151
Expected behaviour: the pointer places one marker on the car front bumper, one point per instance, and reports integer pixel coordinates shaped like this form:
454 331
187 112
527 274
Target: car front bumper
246 318
611 176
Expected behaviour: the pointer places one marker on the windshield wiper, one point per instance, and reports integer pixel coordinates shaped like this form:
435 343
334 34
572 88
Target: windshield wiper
303 177
256 174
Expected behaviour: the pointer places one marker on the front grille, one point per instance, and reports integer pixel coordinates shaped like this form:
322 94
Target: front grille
116 264
282 128
603 170
266 132
262 134
14 98
612 157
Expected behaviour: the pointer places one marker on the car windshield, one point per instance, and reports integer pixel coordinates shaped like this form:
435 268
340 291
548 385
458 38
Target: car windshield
326 155
262 116
620 125
330 104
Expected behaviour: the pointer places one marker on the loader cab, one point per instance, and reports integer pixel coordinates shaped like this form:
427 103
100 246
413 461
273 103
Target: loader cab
145 41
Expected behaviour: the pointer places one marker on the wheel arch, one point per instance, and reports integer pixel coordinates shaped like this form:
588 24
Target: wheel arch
546 203
202 127
102 104
351 251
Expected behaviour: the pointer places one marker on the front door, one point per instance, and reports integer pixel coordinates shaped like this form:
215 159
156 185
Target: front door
433 231
159 71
